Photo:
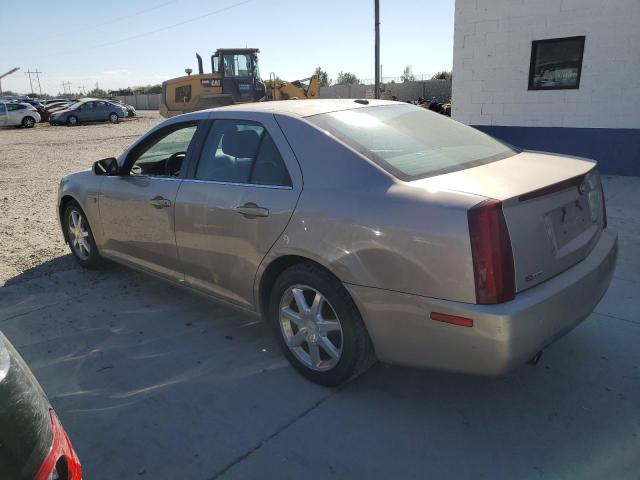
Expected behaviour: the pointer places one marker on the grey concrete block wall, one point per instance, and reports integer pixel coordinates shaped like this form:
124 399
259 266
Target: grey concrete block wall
149 101
440 89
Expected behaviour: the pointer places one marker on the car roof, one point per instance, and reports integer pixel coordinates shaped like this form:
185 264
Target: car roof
304 108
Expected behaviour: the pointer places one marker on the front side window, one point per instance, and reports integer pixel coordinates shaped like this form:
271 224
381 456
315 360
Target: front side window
556 63
164 155
242 152
411 142
237 65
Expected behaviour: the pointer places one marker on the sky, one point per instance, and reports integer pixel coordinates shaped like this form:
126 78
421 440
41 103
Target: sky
126 43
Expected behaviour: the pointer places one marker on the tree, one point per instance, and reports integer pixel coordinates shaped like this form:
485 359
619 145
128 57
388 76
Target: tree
346 78
97 92
323 76
407 74
443 75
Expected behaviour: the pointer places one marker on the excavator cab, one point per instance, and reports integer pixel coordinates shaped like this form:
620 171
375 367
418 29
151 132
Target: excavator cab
239 73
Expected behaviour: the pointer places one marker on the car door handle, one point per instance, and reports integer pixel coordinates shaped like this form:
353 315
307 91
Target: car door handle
160 202
252 210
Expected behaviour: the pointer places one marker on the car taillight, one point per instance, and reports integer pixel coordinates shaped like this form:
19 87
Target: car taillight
34 109
61 463
491 252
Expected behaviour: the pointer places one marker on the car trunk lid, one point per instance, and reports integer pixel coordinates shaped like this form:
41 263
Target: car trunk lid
552 206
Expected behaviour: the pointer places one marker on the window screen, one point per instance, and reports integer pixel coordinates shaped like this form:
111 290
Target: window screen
556 63
183 94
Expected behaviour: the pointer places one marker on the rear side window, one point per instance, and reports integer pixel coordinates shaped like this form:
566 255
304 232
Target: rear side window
269 167
242 152
411 142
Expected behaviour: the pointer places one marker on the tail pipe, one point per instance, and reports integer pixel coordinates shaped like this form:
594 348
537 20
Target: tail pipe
200 69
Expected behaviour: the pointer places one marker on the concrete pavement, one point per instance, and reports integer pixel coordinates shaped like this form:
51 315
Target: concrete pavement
155 382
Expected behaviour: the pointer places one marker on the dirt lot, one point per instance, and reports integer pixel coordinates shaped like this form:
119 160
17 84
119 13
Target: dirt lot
32 161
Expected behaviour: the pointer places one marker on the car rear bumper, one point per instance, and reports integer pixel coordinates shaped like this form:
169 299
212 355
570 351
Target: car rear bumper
503 336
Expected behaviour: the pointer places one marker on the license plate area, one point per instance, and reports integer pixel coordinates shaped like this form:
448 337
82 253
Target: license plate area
565 223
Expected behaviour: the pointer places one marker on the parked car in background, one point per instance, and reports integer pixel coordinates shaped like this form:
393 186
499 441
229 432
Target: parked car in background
37 104
412 236
131 111
33 443
18 115
88 110
54 100
54 107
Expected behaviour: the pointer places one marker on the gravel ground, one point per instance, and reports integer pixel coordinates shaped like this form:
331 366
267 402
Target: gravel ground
32 161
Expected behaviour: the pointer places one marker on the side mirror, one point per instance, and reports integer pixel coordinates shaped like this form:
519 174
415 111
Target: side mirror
106 166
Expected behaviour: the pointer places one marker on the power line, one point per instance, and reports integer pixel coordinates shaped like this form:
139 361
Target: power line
114 20
161 29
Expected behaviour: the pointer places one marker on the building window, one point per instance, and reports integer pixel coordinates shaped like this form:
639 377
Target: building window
556 63
183 94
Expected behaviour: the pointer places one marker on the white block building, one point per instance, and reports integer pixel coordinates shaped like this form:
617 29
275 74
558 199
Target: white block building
553 75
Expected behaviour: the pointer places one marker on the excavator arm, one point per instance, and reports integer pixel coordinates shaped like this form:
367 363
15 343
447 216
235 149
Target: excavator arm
281 90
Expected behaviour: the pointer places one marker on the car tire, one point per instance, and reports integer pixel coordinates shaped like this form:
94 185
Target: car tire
72 121
28 122
333 317
113 117
79 236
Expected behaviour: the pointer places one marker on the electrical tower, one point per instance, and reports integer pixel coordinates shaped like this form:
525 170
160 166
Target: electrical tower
37 75
64 87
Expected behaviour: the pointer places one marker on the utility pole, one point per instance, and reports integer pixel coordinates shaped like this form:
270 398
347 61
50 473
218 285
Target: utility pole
64 87
37 75
13 70
28 73
377 48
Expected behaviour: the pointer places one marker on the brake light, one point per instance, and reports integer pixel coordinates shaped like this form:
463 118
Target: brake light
491 252
61 461
34 109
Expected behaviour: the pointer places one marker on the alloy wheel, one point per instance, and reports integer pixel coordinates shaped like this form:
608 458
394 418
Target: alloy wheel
311 327
79 235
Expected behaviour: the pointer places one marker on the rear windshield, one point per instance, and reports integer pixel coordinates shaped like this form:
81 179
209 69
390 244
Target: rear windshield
412 142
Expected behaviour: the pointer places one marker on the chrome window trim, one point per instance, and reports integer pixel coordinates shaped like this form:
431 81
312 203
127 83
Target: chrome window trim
143 176
236 184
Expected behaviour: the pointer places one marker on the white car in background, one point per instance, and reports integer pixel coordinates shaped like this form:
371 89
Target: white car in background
18 114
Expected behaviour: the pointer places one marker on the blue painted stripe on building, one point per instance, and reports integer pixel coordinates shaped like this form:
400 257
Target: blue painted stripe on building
617 150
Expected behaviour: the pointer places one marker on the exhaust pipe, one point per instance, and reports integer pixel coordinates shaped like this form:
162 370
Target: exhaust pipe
200 69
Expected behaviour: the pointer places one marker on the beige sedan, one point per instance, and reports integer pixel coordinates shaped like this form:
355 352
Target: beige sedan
359 229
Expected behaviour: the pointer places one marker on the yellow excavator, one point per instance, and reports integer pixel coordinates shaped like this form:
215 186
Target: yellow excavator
234 78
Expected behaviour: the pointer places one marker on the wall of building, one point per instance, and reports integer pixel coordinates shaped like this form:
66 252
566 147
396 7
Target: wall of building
492 53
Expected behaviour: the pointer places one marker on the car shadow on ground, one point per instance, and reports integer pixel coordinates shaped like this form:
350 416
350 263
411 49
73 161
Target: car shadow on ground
141 371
